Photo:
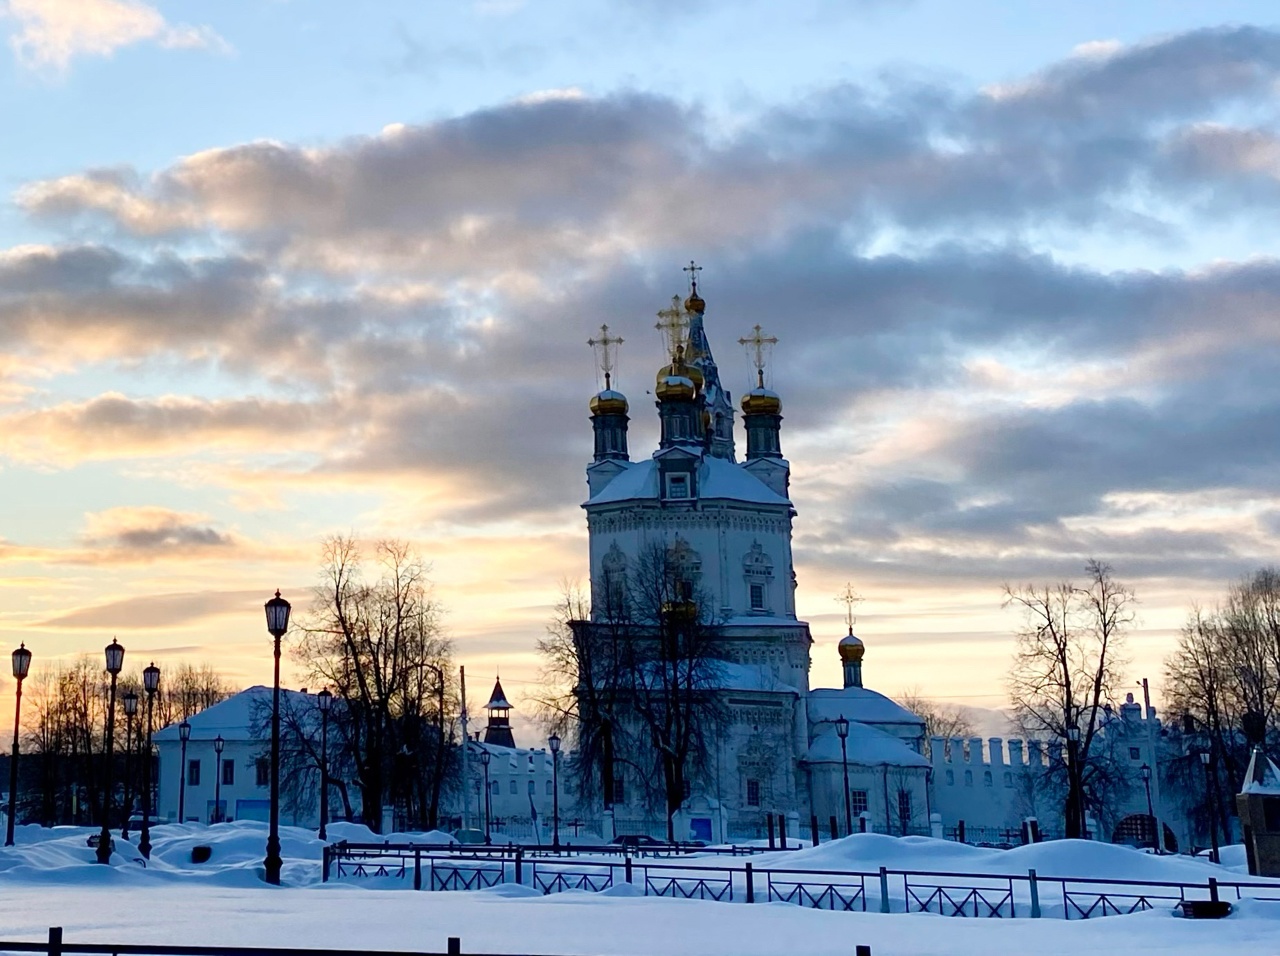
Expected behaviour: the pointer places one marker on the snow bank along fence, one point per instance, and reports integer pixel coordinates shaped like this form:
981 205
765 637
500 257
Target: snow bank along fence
890 891
55 945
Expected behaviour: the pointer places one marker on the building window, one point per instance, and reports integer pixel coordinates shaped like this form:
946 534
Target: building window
1008 779
515 788
262 771
858 802
968 778
677 486
619 789
757 597
753 793
228 773
533 787
548 788
193 773
951 778
904 809
495 788
1135 753
986 778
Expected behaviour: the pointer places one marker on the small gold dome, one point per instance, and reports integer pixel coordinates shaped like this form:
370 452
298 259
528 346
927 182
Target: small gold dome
694 303
851 649
609 402
761 401
675 382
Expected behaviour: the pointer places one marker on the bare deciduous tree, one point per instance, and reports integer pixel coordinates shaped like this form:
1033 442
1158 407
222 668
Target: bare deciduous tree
940 720
1066 668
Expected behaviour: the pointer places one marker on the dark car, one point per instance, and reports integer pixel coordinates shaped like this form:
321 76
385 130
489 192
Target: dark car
635 839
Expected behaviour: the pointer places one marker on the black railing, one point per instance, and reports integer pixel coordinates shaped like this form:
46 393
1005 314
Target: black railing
982 895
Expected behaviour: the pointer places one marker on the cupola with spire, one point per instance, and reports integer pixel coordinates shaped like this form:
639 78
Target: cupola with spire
761 407
608 407
679 384
498 729
851 647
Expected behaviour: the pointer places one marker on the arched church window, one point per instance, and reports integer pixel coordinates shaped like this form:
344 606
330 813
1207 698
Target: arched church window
986 778
951 778
615 582
684 569
757 568
968 778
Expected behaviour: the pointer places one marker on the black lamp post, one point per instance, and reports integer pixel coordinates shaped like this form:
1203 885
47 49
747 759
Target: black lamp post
842 731
554 743
485 757
150 684
218 744
184 734
115 663
130 711
323 700
277 623
1205 760
1075 821
1145 772
21 666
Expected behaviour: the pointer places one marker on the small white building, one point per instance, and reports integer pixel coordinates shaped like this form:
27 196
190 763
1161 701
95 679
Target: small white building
244 767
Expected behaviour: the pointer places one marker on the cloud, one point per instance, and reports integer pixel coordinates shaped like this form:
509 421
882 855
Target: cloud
52 33
149 533
156 611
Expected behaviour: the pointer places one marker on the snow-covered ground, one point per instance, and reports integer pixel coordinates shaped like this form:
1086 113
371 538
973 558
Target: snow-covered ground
48 879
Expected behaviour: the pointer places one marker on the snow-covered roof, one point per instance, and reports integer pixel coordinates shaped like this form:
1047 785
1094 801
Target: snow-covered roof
867 747
1263 776
498 699
733 676
860 704
235 717
717 478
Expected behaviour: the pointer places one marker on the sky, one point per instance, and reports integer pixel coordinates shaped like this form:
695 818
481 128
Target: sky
274 270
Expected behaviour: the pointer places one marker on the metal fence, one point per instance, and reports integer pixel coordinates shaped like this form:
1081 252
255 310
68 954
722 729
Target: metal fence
980 895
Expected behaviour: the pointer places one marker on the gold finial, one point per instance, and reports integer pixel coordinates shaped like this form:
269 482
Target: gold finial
606 347
759 345
850 599
673 323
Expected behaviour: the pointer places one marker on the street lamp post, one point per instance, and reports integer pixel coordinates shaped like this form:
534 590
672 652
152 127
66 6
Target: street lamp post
323 700
277 623
130 711
1145 772
150 684
184 734
1205 760
485 757
554 743
21 666
218 744
842 731
115 663
1075 820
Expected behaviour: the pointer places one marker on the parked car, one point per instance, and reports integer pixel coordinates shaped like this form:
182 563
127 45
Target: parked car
635 839
469 836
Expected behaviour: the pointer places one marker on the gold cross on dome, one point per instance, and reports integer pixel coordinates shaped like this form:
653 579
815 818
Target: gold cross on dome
606 347
673 323
759 345
850 599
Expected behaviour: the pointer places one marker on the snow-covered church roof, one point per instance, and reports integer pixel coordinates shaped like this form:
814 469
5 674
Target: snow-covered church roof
717 478
867 747
1263 776
860 704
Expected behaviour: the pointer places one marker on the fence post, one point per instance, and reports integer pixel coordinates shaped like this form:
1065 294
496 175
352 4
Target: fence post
455 946
324 863
862 951
960 832
1213 888
519 864
628 867
884 889
813 827
835 832
751 884
769 819
1035 894
417 868
55 941
782 831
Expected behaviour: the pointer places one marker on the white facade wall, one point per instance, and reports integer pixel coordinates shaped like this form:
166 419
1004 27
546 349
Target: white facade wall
243 799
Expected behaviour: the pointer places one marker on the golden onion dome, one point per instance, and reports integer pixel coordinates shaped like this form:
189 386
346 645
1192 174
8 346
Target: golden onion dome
761 401
675 382
609 402
851 649
694 303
